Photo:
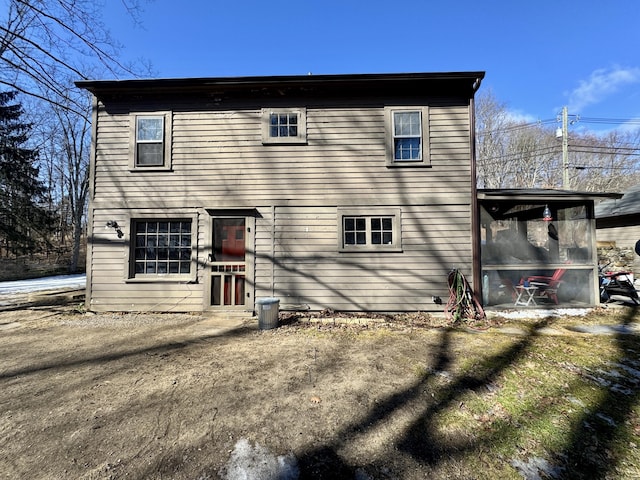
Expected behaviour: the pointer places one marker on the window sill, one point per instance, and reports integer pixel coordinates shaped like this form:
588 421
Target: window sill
163 279
286 141
371 250
409 164
151 169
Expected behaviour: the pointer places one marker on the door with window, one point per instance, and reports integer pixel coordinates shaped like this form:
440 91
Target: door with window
228 262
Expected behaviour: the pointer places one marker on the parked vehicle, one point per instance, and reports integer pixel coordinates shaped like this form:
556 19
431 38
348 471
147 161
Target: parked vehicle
617 286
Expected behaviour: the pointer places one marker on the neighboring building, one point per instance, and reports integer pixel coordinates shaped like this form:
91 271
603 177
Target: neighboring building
618 220
343 192
618 224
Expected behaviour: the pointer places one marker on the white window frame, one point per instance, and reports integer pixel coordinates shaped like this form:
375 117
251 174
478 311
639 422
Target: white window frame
166 141
300 138
390 136
369 213
132 277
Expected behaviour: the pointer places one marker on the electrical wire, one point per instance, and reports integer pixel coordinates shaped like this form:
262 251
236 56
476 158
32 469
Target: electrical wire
517 126
610 121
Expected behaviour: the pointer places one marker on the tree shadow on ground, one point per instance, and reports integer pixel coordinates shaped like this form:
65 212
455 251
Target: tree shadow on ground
419 440
585 456
591 453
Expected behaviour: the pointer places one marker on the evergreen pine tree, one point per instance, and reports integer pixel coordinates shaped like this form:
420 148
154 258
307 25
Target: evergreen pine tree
24 224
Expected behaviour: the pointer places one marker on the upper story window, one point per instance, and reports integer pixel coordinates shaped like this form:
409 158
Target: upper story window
407 136
284 125
151 141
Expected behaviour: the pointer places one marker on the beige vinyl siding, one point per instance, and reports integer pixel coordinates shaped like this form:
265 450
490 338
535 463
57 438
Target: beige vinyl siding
218 157
621 236
218 161
308 271
110 270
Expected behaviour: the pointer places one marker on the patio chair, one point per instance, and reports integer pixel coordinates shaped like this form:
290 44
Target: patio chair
548 286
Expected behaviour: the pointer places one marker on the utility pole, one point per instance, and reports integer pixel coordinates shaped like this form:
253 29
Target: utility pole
565 148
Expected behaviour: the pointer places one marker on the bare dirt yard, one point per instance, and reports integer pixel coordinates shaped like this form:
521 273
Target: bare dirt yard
178 396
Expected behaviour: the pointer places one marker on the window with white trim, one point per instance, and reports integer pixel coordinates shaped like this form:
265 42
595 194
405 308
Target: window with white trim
151 141
161 247
284 125
366 232
407 136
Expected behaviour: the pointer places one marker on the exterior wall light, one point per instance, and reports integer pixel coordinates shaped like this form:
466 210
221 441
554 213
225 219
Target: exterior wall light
113 224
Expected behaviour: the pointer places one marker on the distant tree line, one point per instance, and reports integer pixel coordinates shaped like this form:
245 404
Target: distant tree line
517 154
46 45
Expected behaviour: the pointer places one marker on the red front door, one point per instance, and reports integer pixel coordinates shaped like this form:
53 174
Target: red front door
228 264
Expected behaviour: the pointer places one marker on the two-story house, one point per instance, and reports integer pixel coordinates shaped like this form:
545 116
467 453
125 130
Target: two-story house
343 192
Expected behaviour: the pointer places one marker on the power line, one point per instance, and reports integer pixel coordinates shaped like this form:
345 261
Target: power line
610 121
580 119
595 152
538 151
517 126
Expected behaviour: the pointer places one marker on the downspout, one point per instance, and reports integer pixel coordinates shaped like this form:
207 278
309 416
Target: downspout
475 212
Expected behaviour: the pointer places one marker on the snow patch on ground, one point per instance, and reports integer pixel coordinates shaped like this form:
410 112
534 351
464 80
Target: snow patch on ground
249 462
543 313
46 283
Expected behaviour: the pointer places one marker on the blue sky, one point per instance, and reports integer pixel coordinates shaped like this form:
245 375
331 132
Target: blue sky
537 55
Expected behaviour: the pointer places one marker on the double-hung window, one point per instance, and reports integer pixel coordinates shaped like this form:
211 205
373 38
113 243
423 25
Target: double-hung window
284 125
151 141
407 136
359 231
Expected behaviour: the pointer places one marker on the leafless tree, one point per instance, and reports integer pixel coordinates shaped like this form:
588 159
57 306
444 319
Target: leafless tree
46 45
514 154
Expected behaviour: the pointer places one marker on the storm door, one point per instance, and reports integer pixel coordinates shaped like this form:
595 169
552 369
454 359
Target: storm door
228 262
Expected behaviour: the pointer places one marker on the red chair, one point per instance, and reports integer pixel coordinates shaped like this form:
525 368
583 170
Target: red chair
548 286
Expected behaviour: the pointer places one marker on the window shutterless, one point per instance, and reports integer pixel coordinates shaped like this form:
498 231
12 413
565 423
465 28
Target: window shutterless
407 136
150 141
364 232
284 126
162 247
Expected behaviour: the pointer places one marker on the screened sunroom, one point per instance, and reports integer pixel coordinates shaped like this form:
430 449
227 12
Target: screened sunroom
538 248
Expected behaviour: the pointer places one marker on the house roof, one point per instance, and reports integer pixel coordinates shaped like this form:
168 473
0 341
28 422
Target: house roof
458 83
541 194
629 204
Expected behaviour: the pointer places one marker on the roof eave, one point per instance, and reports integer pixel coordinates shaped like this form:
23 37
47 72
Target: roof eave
98 87
542 195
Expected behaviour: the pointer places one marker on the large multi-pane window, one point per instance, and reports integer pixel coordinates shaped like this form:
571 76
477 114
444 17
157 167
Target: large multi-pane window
162 247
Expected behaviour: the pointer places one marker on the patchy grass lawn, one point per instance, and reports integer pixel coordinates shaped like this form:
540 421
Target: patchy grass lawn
175 396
